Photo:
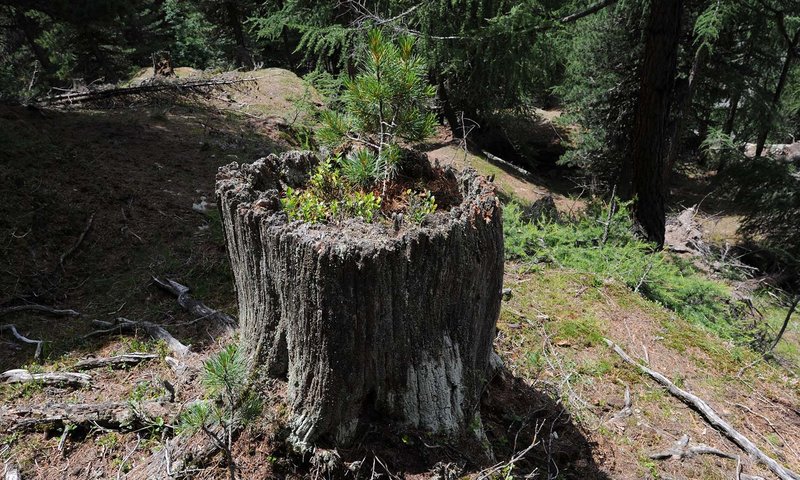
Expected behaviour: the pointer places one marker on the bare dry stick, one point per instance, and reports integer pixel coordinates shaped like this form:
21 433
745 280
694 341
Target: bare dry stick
196 307
185 454
155 331
13 330
626 410
20 375
11 471
785 324
77 243
682 449
711 417
179 86
39 308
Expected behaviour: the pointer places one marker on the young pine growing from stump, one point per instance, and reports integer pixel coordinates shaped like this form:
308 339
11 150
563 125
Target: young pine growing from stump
387 103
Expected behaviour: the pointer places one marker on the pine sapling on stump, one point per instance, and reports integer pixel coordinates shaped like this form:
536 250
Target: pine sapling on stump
361 318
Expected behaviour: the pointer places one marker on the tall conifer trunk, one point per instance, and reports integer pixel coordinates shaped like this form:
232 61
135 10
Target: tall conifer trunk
649 143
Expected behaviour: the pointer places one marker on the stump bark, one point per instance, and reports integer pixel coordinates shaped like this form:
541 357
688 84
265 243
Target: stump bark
364 320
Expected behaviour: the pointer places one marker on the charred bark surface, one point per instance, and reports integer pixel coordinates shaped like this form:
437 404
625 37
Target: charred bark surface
364 320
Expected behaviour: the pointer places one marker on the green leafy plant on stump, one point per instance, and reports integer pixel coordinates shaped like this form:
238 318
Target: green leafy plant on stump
387 103
229 403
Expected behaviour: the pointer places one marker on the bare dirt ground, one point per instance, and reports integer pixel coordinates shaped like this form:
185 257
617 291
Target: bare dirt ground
137 173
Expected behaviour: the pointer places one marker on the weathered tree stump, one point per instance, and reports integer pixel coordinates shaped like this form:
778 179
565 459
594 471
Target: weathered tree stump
362 319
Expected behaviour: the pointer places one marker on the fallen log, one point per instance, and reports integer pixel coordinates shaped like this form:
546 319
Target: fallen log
196 307
123 325
18 336
20 375
39 308
180 86
125 360
112 415
711 417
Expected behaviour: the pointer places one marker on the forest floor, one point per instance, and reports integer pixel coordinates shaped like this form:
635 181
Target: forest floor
96 202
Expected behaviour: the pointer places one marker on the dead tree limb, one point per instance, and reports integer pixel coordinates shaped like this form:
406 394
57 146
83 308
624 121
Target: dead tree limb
77 243
627 409
681 449
123 325
39 308
13 330
711 417
125 360
785 324
20 375
107 93
113 415
594 8
196 307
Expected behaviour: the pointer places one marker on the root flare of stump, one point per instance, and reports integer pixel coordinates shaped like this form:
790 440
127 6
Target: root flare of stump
364 320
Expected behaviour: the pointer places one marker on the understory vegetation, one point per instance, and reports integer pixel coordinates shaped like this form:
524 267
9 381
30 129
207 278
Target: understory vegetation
600 241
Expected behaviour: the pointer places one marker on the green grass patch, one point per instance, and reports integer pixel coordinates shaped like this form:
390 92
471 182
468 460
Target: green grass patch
584 331
577 244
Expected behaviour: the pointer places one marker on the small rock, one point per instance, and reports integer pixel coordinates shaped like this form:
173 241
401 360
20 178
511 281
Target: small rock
203 206
542 209
506 293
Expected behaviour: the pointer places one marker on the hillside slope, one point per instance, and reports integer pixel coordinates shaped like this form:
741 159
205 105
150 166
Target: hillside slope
122 191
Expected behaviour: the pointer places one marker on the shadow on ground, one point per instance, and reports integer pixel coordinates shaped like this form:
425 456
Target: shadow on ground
514 416
136 174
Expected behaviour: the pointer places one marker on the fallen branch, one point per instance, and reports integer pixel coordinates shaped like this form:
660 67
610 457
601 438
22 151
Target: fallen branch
20 375
681 449
39 308
180 456
77 243
594 8
106 93
112 415
196 307
505 164
123 325
711 416
626 410
785 324
125 360
13 330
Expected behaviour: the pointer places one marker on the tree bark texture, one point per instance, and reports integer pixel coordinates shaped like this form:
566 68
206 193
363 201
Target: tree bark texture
648 147
362 319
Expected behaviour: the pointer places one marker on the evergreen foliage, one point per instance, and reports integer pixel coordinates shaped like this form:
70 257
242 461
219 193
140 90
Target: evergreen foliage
769 193
387 103
600 88
229 402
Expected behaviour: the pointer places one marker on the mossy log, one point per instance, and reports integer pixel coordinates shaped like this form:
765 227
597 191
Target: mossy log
365 319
